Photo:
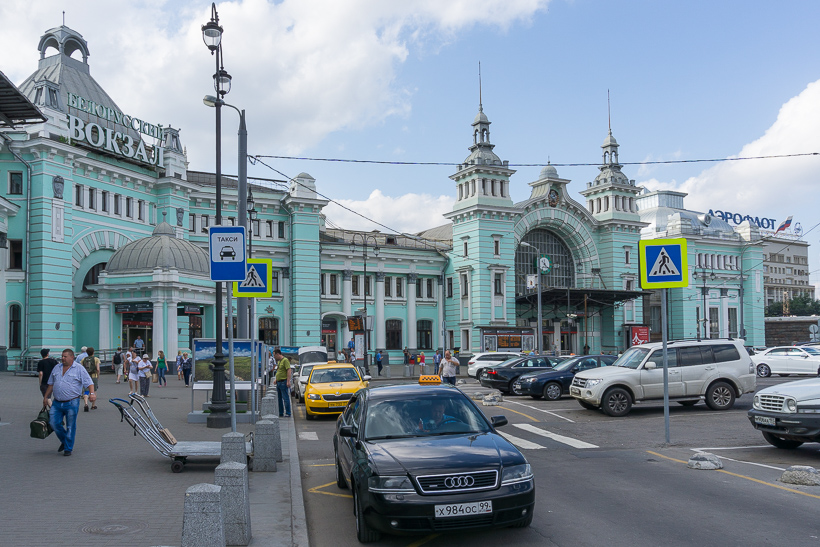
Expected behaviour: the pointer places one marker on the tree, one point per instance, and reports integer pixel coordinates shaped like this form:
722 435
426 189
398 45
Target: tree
799 305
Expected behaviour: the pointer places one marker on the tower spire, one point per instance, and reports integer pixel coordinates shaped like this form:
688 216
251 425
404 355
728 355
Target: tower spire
608 113
480 106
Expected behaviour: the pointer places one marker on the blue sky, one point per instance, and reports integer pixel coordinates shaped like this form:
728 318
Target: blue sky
398 81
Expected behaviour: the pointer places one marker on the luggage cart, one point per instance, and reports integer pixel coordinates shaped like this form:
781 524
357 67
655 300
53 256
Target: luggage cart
138 414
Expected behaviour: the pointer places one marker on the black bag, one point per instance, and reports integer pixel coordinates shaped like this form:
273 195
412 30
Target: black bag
117 358
41 427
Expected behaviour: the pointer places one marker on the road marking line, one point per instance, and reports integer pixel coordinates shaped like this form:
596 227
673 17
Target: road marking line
521 413
743 477
575 443
308 436
424 540
550 412
521 443
317 490
322 465
739 461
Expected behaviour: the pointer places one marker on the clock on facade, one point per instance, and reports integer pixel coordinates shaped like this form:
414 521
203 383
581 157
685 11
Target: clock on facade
553 198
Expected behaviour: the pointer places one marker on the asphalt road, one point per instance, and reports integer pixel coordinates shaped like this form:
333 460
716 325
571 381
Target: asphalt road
611 481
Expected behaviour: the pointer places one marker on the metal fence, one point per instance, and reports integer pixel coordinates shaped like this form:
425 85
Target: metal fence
27 366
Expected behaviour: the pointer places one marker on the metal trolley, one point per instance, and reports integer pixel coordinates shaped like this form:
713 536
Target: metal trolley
139 416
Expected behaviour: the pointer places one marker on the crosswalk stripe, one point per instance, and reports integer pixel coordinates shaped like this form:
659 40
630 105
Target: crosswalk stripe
308 436
521 443
575 443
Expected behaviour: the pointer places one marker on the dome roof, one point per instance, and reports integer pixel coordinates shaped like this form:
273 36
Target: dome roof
609 141
549 171
161 250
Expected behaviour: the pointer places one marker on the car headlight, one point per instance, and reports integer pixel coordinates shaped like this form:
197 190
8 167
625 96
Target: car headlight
516 473
594 382
314 397
528 380
390 484
791 405
756 402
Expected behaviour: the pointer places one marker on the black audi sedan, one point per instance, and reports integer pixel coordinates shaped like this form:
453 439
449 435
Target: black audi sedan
503 376
424 458
551 384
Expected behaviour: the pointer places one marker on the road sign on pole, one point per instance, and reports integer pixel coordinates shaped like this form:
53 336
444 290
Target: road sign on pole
258 280
226 246
663 264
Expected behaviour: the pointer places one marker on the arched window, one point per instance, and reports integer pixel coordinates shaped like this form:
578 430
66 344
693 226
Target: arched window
93 275
269 330
547 243
392 330
424 334
15 311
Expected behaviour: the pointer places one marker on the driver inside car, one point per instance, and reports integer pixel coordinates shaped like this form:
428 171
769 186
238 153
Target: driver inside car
437 418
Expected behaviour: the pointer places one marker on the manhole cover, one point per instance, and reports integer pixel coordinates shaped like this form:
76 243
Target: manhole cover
114 527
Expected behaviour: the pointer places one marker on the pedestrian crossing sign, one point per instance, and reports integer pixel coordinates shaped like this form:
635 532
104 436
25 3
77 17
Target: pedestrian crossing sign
663 263
258 282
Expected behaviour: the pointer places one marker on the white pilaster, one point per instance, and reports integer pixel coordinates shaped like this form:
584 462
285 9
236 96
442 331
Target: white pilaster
347 297
105 325
286 304
172 345
440 308
411 311
378 323
158 330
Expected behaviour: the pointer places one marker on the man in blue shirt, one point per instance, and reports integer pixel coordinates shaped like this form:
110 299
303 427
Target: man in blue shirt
67 383
351 351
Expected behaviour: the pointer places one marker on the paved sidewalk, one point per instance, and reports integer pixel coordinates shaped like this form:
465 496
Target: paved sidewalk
116 489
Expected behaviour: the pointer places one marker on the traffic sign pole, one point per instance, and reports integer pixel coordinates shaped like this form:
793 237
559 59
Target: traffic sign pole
665 366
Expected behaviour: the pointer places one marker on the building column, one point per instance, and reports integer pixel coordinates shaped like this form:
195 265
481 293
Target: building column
556 333
105 326
172 345
378 322
347 297
286 305
158 329
412 341
440 308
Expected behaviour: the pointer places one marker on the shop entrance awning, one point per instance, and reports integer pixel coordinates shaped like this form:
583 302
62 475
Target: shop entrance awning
15 108
556 297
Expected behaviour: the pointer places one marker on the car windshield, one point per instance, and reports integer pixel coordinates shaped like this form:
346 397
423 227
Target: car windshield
329 375
568 364
509 361
305 370
631 358
313 357
811 350
422 417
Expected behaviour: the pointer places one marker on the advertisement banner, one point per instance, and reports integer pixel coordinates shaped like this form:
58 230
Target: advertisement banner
638 335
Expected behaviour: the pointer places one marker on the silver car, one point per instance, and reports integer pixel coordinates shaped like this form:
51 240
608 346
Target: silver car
786 360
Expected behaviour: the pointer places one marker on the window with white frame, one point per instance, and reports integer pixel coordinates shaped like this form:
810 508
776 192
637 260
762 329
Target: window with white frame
388 285
16 183
334 288
104 201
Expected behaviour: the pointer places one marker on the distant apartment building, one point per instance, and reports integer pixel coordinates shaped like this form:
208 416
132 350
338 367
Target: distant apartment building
786 268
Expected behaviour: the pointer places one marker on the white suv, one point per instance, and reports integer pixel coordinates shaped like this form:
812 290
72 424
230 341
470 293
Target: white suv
480 361
718 370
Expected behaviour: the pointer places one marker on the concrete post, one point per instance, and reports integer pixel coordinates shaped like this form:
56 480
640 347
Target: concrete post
202 517
264 453
277 436
232 477
268 405
233 448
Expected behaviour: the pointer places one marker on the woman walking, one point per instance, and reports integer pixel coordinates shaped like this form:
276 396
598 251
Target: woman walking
186 368
179 365
132 363
421 361
145 368
161 368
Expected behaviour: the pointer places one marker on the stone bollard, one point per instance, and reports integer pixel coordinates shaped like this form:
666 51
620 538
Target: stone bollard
268 405
264 452
801 474
233 448
236 504
202 520
387 371
704 460
277 436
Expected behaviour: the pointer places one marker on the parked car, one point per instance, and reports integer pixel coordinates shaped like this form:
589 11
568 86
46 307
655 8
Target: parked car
717 370
480 361
551 384
423 459
786 360
788 415
301 382
502 377
330 386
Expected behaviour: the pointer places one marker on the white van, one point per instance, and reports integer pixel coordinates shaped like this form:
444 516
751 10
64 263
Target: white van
308 357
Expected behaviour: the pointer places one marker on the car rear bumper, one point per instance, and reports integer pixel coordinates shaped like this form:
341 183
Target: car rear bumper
415 514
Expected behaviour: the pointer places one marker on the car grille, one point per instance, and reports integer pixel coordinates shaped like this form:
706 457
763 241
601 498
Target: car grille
772 403
579 382
458 482
334 397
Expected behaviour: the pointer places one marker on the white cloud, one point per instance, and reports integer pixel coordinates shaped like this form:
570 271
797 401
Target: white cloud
408 213
301 68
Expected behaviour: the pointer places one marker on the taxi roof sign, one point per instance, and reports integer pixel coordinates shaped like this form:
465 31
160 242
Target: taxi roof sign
427 379
663 263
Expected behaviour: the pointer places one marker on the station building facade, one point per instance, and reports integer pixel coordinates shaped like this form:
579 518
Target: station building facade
106 231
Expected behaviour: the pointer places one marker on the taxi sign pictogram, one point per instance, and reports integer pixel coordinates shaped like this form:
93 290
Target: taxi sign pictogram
258 282
226 246
663 263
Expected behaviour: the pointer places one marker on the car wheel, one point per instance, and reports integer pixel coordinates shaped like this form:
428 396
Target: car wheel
524 523
587 405
763 370
340 478
364 533
478 374
552 391
616 402
510 389
688 403
720 396
774 440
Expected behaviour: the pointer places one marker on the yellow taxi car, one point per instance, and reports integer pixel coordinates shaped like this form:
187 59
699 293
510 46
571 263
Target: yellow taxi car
329 388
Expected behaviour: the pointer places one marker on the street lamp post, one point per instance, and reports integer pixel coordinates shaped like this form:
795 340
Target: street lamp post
251 301
539 329
364 242
212 36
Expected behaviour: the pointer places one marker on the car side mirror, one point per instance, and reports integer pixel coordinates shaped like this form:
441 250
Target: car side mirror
575 369
348 431
651 365
498 421
367 377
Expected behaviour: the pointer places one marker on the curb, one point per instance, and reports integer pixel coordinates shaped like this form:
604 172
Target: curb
297 501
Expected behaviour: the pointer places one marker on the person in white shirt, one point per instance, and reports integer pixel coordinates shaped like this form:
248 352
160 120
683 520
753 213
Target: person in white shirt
447 368
145 370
